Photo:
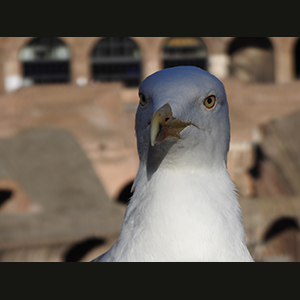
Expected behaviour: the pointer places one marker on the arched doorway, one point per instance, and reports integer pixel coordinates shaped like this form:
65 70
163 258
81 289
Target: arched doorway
125 194
297 59
5 195
77 251
252 59
45 60
184 51
116 59
281 225
13 199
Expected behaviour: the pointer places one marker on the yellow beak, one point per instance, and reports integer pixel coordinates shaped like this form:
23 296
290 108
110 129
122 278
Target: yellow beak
165 126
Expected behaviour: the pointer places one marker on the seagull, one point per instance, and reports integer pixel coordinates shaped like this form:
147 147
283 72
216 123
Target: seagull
184 206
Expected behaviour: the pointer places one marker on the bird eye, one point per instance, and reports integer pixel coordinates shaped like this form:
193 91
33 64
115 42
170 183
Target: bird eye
143 100
210 101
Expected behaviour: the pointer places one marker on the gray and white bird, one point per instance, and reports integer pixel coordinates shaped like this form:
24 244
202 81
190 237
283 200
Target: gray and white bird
184 206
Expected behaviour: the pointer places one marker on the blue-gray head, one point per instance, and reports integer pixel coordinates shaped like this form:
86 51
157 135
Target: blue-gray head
182 119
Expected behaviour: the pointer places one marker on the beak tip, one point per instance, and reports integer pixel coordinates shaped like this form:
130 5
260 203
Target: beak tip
154 129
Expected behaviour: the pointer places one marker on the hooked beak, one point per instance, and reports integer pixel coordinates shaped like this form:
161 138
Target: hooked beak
165 126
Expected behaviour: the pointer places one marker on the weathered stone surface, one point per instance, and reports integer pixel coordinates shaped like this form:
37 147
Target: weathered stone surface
65 201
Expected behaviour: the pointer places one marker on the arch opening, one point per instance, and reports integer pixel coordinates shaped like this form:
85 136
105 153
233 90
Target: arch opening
297 59
125 194
279 226
116 59
45 60
80 249
252 59
184 51
5 195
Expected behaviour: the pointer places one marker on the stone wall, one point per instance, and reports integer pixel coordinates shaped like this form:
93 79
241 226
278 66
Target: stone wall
282 49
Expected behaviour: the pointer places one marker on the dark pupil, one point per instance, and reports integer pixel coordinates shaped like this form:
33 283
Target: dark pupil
209 100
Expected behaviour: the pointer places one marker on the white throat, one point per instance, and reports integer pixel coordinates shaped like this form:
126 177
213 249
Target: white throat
183 216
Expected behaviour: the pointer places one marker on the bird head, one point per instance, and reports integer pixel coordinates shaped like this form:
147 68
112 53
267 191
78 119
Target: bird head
182 119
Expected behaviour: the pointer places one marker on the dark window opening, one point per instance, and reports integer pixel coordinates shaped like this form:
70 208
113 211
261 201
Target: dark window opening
79 250
255 171
126 194
184 51
243 42
252 59
281 225
45 60
117 59
5 195
297 59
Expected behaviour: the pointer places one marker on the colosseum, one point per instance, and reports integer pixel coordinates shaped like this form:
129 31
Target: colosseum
67 143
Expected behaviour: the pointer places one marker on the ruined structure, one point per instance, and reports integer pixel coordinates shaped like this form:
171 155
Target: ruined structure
67 144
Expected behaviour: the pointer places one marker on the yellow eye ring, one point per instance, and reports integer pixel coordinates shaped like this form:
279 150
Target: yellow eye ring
143 100
210 102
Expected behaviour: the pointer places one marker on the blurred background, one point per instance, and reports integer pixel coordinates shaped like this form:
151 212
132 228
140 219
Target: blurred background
67 143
